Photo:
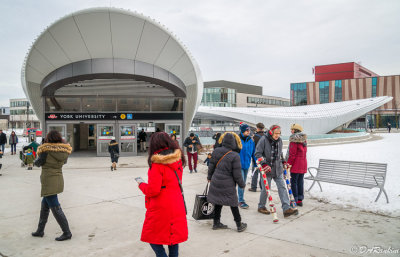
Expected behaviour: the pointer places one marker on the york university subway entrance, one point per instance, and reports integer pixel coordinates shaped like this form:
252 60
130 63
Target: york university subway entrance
105 73
92 132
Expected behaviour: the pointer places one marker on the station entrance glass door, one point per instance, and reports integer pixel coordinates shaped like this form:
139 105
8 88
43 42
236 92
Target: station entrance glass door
105 133
127 140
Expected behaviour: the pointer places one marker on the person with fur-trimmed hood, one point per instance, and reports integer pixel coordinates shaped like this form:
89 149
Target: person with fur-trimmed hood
165 222
53 154
270 149
297 160
224 173
113 149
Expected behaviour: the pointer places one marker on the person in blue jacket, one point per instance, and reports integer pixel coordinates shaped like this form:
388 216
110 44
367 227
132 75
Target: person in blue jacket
246 156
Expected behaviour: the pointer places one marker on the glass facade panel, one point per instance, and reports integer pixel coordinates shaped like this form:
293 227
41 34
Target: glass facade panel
90 104
133 104
374 83
225 97
63 104
18 103
324 92
166 104
107 104
268 101
298 94
338 90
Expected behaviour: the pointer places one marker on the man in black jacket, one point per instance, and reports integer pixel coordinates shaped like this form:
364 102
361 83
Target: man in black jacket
191 143
142 139
3 140
259 134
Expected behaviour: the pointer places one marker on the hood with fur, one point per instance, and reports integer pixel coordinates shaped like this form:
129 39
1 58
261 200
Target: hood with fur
229 141
168 158
298 137
54 147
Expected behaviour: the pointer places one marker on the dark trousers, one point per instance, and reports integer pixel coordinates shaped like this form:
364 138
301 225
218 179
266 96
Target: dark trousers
235 212
254 180
297 182
13 148
51 201
160 251
190 155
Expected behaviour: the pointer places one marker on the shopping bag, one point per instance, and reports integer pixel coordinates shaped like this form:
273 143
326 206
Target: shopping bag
203 210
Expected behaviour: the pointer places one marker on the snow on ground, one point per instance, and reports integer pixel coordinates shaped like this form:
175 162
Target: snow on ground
382 151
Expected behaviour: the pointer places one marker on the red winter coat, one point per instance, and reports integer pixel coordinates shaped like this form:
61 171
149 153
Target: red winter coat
298 153
165 222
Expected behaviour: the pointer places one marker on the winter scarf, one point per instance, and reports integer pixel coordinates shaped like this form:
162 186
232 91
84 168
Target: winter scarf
274 148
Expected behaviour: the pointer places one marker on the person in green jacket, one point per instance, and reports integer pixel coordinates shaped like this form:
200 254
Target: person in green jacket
53 154
29 158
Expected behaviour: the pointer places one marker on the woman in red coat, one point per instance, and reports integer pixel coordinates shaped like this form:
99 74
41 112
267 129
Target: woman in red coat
298 162
165 222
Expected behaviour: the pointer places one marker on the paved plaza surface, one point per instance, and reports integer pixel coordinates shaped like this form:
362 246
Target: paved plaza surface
106 211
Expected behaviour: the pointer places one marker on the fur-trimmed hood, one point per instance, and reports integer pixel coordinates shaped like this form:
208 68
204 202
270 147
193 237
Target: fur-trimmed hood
167 159
236 136
54 147
111 144
298 137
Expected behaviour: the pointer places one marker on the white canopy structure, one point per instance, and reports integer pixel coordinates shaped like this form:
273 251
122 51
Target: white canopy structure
110 43
315 119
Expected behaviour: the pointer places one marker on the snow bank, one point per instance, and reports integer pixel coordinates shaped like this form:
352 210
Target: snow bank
383 151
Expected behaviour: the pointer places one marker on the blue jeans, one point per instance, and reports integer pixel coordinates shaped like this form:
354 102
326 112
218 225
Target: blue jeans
297 181
160 251
2 148
51 201
13 148
241 190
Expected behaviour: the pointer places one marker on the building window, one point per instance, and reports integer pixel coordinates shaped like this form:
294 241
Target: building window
298 94
324 92
374 83
338 90
225 97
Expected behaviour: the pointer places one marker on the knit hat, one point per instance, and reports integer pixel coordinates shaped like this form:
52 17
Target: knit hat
244 127
297 127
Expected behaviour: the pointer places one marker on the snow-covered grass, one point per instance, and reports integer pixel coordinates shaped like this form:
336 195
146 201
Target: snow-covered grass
383 151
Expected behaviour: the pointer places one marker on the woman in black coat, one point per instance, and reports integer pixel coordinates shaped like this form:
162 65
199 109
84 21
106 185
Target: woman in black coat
224 172
113 149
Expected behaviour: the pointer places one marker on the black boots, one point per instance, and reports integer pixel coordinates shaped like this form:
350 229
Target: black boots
62 221
44 214
219 225
241 226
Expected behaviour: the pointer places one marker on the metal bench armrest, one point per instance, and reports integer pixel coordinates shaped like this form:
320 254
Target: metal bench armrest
313 178
381 188
309 171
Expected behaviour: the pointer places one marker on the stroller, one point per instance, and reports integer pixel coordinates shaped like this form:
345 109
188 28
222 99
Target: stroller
22 155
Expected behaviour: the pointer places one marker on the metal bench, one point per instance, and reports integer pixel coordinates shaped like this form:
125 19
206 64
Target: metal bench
350 173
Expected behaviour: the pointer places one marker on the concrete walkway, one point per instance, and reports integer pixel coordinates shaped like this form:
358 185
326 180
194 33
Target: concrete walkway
106 211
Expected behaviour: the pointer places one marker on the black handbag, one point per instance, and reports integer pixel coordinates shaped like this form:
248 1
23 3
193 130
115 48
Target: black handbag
203 210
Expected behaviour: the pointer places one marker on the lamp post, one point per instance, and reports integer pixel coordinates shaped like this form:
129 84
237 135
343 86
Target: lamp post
27 115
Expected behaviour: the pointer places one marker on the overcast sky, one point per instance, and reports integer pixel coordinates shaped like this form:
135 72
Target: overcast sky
260 42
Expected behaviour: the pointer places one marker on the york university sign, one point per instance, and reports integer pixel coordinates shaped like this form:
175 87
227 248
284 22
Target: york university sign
114 116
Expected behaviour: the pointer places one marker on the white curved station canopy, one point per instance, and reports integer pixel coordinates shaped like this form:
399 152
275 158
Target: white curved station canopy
315 119
109 33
